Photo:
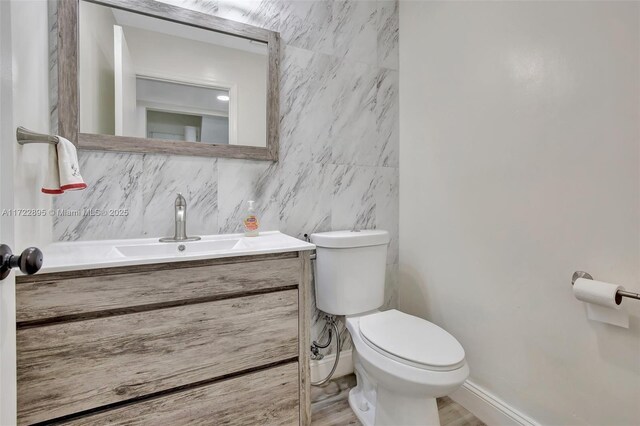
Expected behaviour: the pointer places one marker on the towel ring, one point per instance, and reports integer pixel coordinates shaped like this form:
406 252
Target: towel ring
24 136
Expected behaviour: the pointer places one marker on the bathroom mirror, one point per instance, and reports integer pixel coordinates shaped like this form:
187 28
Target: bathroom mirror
147 77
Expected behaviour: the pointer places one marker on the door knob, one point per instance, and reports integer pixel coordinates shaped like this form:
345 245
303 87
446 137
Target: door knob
29 261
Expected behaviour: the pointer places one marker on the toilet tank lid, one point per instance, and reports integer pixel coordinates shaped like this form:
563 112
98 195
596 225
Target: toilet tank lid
349 239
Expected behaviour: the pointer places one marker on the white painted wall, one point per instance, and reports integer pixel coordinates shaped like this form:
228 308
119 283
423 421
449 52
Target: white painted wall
29 31
519 164
96 62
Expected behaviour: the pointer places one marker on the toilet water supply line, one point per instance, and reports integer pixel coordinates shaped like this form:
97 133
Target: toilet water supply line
315 346
315 353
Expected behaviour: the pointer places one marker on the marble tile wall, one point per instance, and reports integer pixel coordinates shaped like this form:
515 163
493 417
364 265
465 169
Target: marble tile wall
338 165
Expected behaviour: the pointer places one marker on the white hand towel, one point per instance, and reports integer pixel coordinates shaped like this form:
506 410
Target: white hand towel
63 173
52 178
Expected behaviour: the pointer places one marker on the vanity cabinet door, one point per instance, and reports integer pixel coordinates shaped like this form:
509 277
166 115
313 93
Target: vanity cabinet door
267 397
66 368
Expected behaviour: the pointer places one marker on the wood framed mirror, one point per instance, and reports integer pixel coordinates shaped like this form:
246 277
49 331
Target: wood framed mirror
150 77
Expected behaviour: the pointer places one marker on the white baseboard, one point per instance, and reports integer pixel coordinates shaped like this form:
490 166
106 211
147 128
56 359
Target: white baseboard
320 369
489 408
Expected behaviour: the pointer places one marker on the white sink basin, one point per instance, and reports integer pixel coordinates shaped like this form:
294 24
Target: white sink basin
177 248
76 255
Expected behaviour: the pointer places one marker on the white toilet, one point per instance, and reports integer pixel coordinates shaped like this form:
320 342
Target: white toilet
402 363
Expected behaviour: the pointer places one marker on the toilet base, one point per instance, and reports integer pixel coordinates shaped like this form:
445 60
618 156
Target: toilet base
375 406
427 412
367 414
393 410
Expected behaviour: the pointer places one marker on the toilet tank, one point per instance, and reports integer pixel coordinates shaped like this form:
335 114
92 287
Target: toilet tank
350 270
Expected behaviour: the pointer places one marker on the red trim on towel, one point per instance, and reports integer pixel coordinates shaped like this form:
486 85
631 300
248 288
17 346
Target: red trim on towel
52 191
73 186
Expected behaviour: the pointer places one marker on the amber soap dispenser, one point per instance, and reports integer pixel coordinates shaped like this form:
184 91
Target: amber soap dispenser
250 222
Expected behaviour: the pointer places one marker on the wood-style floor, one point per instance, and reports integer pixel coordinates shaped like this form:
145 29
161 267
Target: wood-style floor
330 407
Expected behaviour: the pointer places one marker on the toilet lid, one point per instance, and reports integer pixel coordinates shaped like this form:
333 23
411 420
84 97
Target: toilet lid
411 338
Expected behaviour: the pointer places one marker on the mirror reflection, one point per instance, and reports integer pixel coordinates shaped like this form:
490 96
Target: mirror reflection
148 78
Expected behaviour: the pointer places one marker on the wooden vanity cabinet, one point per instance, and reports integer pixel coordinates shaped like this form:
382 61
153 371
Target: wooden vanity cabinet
206 342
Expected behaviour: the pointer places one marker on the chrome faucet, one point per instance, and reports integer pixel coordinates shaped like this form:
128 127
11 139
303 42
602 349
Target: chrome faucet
181 223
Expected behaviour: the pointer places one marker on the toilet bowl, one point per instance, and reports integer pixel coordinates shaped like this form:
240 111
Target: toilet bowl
402 362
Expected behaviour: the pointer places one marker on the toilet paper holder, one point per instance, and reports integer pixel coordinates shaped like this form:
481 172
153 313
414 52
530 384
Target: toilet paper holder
620 293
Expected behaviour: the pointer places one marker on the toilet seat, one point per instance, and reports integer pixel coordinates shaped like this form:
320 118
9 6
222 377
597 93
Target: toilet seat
411 340
398 375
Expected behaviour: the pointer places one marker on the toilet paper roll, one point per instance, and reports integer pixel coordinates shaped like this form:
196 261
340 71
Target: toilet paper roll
597 292
601 301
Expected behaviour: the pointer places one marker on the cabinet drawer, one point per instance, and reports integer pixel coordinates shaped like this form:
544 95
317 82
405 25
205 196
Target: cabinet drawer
70 367
267 397
91 293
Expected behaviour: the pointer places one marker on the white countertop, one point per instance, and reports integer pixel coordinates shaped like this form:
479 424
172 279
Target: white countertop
78 255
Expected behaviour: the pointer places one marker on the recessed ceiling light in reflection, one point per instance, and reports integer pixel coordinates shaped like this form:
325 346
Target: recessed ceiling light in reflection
223 98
